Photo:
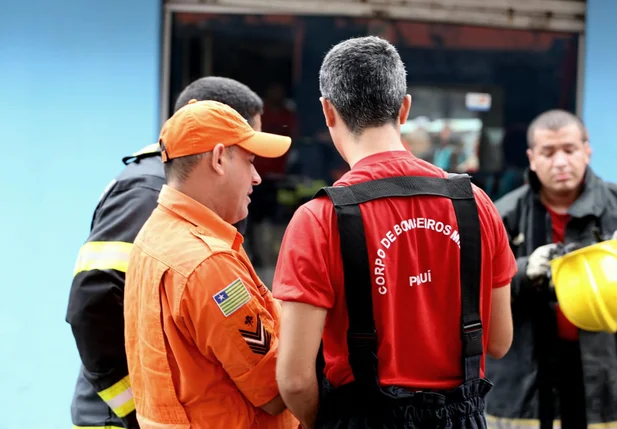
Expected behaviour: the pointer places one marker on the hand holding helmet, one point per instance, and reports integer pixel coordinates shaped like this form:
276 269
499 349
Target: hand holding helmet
538 263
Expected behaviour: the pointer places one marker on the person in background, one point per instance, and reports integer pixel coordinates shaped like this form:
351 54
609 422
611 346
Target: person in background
446 153
372 267
102 396
554 371
264 223
201 327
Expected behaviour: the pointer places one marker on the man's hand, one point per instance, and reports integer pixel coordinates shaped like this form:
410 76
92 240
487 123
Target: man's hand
538 263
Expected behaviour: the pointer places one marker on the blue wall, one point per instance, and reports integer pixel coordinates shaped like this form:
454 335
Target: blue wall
78 90
600 86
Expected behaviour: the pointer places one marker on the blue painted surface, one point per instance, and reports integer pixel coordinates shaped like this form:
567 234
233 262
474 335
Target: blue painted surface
600 86
78 90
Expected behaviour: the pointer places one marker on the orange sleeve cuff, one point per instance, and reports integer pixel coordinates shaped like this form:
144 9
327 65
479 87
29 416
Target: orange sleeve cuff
259 383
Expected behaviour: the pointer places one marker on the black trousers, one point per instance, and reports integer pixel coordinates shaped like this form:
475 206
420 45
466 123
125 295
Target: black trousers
356 407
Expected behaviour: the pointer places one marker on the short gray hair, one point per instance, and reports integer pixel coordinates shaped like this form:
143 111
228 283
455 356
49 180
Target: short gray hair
555 120
366 82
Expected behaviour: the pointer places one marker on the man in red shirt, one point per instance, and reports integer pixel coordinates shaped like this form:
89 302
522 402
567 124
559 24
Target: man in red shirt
405 281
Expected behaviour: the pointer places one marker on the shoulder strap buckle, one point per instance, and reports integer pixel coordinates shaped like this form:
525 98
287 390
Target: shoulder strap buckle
472 339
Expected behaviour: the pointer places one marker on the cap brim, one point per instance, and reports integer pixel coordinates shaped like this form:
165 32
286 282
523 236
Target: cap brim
266 145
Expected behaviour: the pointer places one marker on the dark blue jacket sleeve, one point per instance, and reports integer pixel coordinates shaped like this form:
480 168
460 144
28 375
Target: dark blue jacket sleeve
95 308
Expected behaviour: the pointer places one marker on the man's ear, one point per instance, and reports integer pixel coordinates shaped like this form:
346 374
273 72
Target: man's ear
328 112
587 149
532 164
405 107
218 159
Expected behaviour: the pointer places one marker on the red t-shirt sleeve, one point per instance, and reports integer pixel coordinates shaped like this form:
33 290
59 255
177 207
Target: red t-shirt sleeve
302 273
504 262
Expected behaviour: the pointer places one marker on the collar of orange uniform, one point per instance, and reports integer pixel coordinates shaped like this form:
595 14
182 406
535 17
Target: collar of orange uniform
199 215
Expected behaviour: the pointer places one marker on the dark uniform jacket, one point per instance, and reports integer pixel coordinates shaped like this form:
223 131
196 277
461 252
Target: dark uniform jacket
524 392
103 396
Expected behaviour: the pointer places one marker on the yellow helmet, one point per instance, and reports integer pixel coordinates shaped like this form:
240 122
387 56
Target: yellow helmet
585 283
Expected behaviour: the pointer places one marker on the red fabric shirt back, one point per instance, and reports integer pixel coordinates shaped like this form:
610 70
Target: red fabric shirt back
414 258
565 329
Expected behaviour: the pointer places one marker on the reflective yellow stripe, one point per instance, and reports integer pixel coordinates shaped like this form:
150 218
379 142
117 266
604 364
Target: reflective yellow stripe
285 197
119 397
308 190
507 423
151 148
98 427
103 255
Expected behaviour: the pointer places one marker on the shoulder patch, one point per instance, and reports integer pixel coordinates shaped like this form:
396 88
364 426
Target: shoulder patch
258 339
232 297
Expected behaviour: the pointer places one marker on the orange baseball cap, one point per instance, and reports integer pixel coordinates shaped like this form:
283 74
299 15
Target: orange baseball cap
200 125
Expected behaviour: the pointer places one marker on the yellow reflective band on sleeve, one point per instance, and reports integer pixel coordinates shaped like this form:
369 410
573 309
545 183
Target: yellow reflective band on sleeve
151 148
103 255
98 427
119 397
509 423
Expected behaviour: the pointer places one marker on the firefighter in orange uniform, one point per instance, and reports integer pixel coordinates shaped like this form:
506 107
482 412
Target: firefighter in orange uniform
201 328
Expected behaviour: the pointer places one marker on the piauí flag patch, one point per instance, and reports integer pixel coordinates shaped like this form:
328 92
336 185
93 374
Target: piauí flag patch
234 296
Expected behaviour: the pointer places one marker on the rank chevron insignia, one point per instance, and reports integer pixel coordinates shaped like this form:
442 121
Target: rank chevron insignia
259 339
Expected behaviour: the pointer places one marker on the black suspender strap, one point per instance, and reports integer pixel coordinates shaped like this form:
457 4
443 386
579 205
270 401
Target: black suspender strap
470 263
361 336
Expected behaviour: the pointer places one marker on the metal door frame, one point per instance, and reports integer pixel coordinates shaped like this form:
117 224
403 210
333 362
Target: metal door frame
282 7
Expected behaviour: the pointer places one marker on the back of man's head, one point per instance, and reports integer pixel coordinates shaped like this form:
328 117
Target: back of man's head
224 90
366 82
